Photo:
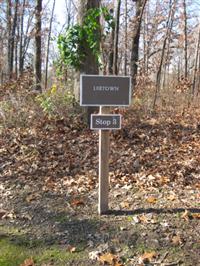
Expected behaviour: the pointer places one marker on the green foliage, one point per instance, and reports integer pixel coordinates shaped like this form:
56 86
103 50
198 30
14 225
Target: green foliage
56 101
73 45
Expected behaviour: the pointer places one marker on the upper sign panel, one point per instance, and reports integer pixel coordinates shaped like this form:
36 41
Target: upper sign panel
98 90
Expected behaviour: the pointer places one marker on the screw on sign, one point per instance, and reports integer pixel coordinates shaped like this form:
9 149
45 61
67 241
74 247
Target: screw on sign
104 91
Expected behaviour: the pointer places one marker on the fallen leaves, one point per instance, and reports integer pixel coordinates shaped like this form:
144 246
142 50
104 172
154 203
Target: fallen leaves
33 197
7 214
147 257
177 240
71 249
151 200
28 262
187 215
107 258
125 205
144 218
77 202
196 215
2 213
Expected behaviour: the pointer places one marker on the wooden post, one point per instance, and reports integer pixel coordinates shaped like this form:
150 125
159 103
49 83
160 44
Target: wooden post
104 144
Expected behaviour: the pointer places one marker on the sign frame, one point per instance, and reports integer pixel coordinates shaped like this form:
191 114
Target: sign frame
106 128
106 76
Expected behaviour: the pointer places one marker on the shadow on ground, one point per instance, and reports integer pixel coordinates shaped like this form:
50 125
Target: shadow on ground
153 211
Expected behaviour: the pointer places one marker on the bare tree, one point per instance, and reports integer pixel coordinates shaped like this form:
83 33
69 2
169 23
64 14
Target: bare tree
185 40
140 5
126 38
9 32
116 38
48 44
197 53
169 25
38 59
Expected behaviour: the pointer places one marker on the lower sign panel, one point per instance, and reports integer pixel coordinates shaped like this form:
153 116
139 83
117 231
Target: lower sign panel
106 121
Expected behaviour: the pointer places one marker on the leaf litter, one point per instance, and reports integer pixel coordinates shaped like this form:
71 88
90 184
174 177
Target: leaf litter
49 175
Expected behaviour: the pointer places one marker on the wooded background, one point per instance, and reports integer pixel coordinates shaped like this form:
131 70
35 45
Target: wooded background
156 42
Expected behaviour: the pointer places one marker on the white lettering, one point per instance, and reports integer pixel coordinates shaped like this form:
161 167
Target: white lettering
98 121
105 88
114 121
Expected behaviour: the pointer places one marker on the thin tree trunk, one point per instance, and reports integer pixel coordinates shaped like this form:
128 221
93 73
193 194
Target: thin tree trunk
12 40
16 49
111 51
140 5
198 83
38 59
185 40
196 64
166 58
9 30
48 43
169 28
21 61
116 39
126 38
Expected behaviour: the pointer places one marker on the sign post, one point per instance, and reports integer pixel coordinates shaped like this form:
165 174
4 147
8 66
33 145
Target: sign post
104 91
104 144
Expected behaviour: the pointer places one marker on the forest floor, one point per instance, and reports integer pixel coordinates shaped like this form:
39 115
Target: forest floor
49 193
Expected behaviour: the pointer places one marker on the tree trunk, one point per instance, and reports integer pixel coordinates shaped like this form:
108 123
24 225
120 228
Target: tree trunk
111 51
185 40
21 61
48 43
140 5
126 38
116 38
196 64
12 41
90 65
9 31
169 28
38 33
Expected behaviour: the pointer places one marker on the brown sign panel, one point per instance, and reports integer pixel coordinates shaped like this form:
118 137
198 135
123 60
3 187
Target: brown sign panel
98 90
105 121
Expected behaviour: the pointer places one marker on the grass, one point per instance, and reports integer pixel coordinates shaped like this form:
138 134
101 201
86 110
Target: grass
12 254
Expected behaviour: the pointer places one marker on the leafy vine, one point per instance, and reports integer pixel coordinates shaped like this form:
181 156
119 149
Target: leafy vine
74 42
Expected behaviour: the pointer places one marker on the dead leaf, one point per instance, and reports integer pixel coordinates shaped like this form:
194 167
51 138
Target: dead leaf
151 200
171 197
94 255
195 215
28 262
32 197
125 204
143 219
118 264
7 215
71 249
2 213
147 257
77 202
108 258
152 122
185 215
176 240
164 180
